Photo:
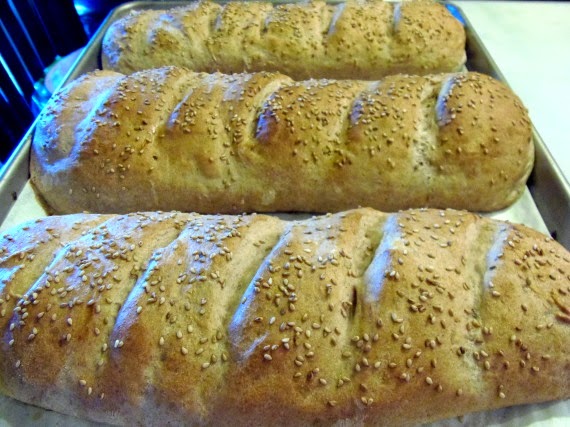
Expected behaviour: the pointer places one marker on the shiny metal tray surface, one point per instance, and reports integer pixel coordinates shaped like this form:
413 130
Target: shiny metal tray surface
545 206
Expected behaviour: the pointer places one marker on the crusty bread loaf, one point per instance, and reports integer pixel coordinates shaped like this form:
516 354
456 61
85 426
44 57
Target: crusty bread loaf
382 319
353 40
171 139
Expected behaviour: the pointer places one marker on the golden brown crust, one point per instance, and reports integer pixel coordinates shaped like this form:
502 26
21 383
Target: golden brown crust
384 319
171 139
353 40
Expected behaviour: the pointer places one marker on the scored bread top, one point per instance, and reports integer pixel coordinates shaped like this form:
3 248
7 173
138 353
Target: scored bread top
173 139
384 319
352 40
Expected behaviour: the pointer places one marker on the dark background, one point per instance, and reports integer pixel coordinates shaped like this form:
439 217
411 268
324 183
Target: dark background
36 36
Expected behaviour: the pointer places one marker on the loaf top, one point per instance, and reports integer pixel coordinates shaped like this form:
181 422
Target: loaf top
173 139
382 319
353 40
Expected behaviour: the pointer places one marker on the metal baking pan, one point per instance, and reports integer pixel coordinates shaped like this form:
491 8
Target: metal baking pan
544 206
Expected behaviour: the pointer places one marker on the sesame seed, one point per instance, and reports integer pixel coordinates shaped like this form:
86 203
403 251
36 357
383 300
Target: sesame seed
396 318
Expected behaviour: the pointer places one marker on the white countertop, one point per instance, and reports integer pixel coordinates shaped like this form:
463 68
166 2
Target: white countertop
530 42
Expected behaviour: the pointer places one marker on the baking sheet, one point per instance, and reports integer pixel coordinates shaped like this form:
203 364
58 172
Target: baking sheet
545 206
547 185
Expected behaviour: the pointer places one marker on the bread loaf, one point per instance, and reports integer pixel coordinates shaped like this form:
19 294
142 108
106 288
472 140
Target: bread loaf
353 40
380 319
172 139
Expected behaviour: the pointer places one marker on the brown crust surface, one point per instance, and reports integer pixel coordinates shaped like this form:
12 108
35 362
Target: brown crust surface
352 40
172 139
380 319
